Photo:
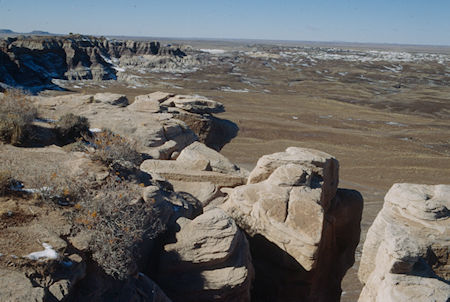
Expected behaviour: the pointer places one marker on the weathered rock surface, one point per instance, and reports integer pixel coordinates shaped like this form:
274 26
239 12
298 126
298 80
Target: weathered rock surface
111 98
285 200
15 287
208 261
149 102
197 104
406 253
303 231
195 111
145 122
198 170
158 135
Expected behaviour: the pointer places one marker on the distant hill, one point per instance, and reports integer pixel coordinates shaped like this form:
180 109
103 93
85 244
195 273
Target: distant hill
6 31
40 32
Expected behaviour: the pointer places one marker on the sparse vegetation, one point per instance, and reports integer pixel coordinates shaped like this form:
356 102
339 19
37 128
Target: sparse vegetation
110 148
5 181
16 115
70 127
120 221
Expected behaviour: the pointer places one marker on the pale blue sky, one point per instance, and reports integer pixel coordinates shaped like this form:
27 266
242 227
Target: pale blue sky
389 21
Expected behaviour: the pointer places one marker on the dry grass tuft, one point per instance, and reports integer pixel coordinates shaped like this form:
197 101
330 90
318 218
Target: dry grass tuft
16 116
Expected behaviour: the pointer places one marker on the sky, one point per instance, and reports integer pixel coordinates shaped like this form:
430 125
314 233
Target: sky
382 21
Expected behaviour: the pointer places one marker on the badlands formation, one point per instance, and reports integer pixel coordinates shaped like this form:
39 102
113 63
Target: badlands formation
200 226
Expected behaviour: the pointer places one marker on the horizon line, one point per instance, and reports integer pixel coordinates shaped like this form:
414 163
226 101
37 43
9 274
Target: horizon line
226 39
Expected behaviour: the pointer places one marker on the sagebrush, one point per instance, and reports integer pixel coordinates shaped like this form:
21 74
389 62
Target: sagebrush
110 147
70 127
16 116
120 221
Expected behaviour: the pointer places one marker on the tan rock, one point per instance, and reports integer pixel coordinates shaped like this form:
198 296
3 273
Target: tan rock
16 287
111 99
149 102
285 200
174 171
196 104
210 261
200 152
317 162
205 192
405 255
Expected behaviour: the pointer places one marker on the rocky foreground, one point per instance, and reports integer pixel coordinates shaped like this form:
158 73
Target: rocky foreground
282 232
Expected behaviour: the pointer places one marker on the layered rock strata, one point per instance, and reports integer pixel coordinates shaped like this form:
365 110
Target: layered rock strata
33 62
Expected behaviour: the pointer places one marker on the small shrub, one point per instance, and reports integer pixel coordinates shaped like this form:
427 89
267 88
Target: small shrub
5 182
70 127
120 221
16 116
110 148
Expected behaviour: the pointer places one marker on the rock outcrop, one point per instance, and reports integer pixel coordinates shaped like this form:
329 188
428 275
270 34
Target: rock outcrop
196 111
186 225
406 253
198 170
209 260
148 121
299 224
33 62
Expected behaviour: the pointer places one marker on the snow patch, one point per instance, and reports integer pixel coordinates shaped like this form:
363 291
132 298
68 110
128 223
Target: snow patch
229 89
48 253
213 51
395 124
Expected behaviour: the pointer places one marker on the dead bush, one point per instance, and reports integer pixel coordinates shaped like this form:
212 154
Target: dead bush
121 222
110 148
70 127
16 116
5 181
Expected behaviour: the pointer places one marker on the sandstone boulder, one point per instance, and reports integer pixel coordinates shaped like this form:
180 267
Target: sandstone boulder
303 231
208 261
285 199
196 104
199 152
406 253
318 162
